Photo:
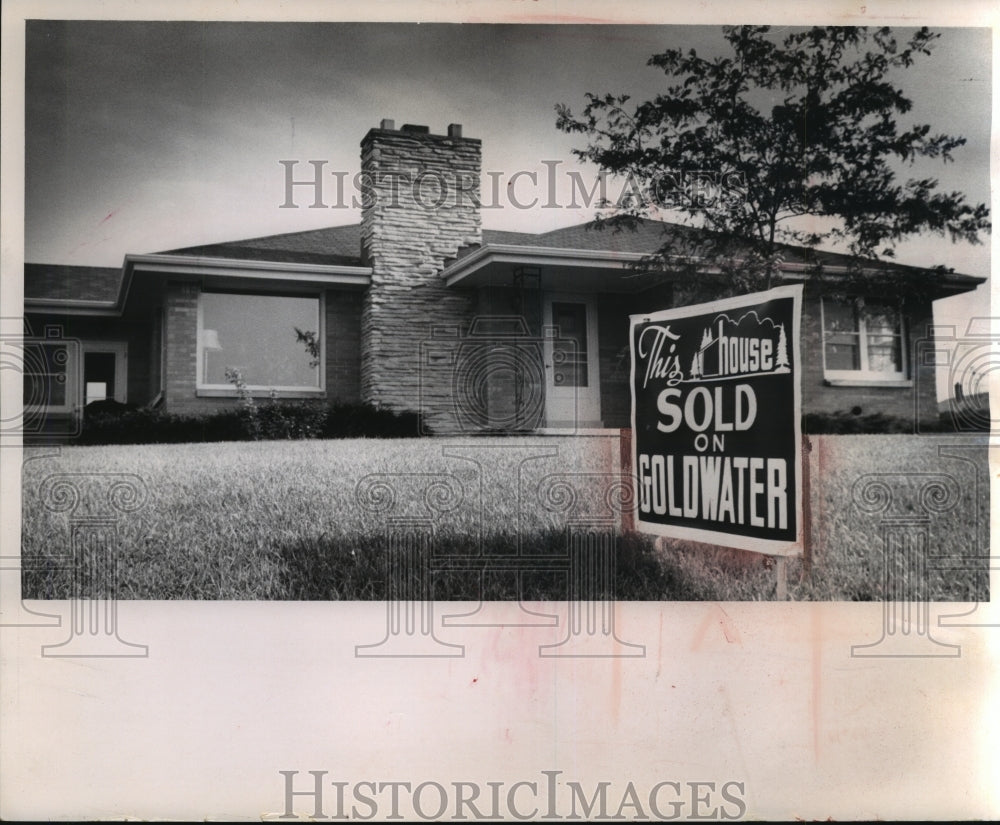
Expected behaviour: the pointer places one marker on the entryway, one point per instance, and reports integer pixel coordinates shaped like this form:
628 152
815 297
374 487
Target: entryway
572 373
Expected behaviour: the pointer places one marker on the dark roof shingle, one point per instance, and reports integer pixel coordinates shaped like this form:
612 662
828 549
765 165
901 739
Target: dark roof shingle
71 283
334 245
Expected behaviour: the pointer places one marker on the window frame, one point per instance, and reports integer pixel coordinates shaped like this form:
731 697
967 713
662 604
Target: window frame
203 389
72 373
864 376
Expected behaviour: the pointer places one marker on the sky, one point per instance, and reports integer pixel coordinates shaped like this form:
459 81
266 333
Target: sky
148 136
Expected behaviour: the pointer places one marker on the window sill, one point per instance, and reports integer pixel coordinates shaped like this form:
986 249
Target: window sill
262 394
900 383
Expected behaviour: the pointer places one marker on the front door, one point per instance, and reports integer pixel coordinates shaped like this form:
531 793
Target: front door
572 376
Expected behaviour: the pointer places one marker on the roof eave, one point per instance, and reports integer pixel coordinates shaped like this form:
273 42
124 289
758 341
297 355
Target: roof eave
73 306
459 270
462 268
237 267
334 275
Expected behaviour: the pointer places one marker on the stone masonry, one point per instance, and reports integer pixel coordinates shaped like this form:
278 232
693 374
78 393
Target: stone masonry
421 206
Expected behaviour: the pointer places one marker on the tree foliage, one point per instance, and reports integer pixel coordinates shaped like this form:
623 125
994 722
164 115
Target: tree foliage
797 141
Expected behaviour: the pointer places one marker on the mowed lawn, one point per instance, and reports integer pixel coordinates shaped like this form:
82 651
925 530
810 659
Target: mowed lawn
310 519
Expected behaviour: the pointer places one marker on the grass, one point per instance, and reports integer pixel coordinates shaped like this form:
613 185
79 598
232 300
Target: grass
356 570
310 520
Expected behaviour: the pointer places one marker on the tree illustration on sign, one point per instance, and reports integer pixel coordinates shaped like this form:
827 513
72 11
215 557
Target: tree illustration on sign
781 356
695 368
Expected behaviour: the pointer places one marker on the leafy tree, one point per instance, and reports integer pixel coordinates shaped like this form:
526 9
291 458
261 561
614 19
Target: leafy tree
749 144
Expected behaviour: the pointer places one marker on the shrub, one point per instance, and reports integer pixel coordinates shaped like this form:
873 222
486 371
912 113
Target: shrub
146 426
843 422
368 421
284 420
107 406
272 420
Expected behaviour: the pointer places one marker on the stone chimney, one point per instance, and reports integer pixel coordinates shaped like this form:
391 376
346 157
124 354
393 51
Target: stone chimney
420 206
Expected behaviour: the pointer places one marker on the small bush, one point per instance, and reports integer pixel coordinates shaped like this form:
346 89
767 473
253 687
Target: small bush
844 422
272 420
277 420
848 423
107 406
368 421
146 426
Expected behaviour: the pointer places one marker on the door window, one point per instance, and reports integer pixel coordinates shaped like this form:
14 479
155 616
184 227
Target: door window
569 348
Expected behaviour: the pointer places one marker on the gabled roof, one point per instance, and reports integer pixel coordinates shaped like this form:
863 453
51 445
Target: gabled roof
318 252
618 246
340 246
647 237
332 245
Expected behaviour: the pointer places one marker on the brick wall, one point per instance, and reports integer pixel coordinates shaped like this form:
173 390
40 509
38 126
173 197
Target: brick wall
817 395
181 304
498 305
512 363
612 330
154 358
613 313
920 323
343 345
407 235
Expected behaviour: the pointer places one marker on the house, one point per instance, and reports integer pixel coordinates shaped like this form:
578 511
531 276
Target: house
418 307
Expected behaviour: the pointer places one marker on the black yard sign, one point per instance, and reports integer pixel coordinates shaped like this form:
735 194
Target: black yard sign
715 421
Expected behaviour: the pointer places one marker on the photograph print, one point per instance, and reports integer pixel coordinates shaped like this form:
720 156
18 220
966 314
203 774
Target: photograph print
480 313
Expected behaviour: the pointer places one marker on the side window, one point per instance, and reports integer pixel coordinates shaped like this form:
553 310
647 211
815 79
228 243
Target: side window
863 339
48 376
